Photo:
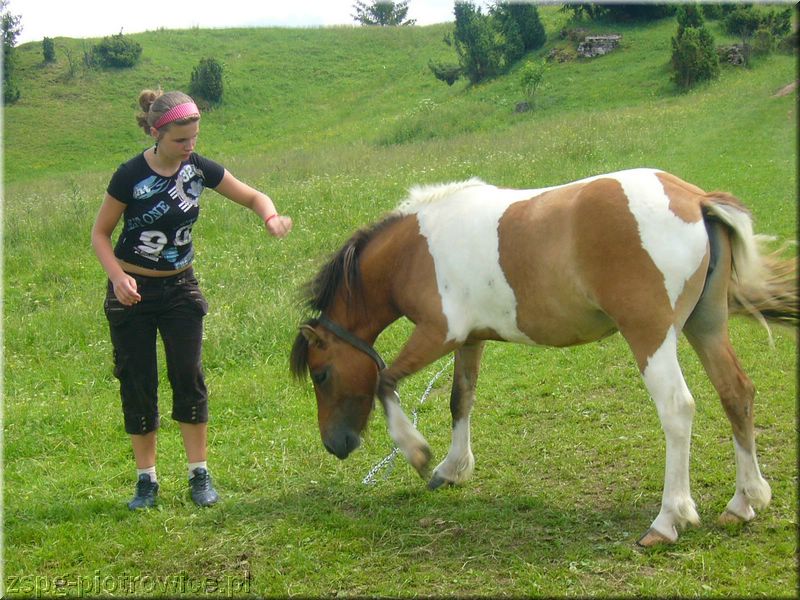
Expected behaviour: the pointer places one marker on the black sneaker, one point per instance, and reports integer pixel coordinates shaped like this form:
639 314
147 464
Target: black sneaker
146 492
203 492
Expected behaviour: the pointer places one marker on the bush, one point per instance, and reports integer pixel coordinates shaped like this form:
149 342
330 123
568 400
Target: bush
447 72
488 45
688 15
619 11
764 30
694 57
743 22
206 80
117 51
521 28
531 77
717 12
764 41
639 12
49 50
476 42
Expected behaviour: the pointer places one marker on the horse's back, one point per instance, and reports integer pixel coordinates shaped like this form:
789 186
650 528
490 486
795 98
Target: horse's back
566 264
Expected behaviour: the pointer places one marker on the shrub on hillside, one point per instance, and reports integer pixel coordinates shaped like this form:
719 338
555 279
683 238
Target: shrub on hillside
10 26
760 32
447 72
531 78
117 51
619 11
694 57
48 50
520 27
476 43
206 80
488 45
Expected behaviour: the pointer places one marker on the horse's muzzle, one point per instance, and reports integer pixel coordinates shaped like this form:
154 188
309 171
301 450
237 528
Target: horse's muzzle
341 444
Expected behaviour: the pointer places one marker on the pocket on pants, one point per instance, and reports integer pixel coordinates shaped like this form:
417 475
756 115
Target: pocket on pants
116 312
191 291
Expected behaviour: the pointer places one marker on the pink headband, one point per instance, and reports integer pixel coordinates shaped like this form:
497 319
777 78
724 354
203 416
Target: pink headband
181 111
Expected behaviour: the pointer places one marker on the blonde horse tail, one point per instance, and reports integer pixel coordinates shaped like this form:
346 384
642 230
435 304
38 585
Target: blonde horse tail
764 282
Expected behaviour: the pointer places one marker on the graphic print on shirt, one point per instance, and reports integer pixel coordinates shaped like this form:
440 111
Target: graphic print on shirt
189 196
149 187
170 241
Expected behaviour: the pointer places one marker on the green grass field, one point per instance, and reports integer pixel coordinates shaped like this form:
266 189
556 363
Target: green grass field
335 124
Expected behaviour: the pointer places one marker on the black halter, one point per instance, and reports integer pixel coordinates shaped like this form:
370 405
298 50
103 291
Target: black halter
348 337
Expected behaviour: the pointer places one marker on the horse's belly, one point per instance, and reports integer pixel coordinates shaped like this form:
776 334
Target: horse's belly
563 328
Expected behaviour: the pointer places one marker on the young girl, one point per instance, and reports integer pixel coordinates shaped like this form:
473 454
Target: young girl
151 285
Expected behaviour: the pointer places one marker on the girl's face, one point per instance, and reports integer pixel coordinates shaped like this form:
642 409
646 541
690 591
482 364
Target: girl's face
178 141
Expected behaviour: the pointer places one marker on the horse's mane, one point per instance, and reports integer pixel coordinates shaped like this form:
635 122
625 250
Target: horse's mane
341 271
421 195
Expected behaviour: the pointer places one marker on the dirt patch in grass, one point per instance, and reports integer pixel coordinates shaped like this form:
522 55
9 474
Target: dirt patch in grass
785 90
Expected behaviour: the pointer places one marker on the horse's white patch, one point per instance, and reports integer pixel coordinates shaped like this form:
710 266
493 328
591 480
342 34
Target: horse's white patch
461 230
457 467
403 432
676 247
751 488
675 405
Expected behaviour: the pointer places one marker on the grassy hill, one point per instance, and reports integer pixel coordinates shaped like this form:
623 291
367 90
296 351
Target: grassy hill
335 124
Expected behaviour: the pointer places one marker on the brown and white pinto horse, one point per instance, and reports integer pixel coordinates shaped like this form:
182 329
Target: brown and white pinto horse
640 252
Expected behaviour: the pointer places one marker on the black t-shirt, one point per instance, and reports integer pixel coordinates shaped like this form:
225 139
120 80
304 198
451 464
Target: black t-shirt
160 211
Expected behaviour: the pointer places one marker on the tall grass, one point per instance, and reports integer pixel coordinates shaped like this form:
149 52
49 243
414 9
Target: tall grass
335 124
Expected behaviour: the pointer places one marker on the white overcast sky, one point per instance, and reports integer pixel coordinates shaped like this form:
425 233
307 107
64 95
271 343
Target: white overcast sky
98 18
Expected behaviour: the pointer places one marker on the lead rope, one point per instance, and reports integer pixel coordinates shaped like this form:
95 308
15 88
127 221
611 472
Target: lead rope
369 478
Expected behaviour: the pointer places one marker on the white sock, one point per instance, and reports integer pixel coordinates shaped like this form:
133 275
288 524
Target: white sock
193 466
151 471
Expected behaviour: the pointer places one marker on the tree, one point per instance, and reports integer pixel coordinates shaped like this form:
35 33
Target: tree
382 13
49 50
622 11
490 44
694 56
744 22
475 41
521 28
583 10
11 29
688 15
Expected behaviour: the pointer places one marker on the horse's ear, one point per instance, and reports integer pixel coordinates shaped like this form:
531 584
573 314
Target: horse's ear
313 338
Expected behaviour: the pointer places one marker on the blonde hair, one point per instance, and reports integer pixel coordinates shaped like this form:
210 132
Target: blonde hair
155 103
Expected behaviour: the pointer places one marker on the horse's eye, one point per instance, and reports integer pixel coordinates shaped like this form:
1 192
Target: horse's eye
320 377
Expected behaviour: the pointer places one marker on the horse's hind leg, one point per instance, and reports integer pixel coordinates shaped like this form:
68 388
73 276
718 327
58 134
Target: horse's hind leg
458 465
736 392
707 331
664 380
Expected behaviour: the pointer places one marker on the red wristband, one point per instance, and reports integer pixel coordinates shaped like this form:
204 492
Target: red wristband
272 216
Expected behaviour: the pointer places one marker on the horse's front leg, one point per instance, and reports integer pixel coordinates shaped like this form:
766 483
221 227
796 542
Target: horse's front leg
421 349
457 467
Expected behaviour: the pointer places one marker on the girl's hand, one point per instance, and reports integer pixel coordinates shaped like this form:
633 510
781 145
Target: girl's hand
125 289
278 226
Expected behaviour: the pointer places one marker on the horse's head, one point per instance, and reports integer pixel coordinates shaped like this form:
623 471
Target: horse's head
344 378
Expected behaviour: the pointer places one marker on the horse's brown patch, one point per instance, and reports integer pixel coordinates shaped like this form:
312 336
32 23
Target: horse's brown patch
683 197
537 255
622 276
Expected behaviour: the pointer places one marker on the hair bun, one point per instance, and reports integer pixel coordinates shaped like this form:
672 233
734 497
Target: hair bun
147 97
